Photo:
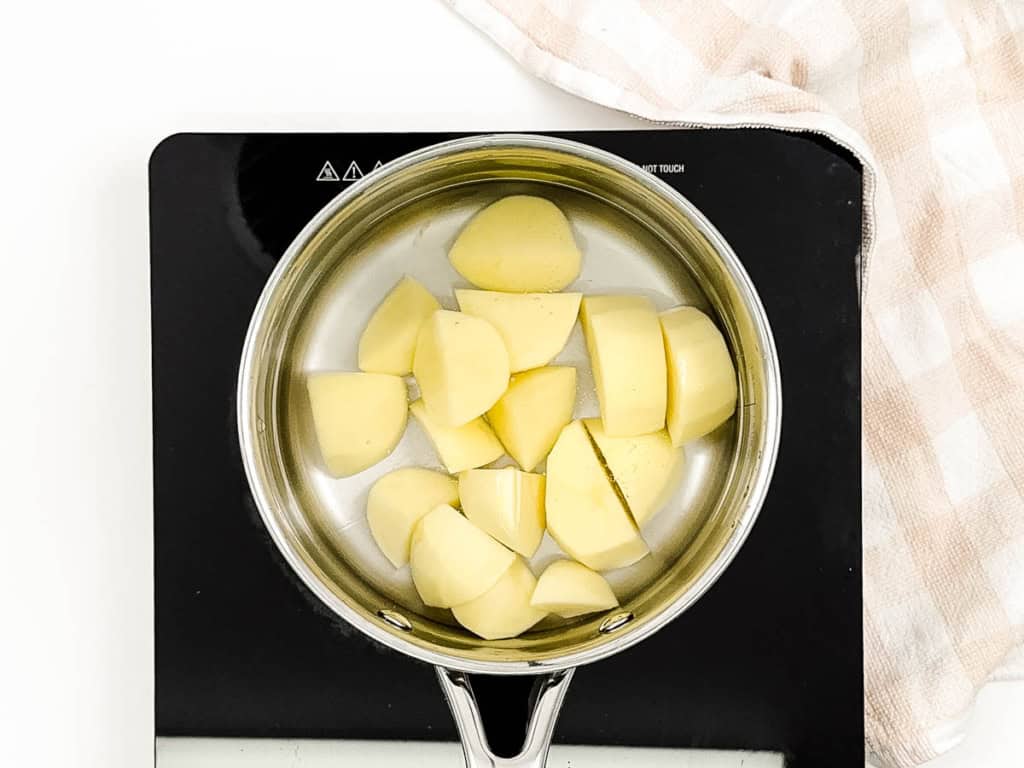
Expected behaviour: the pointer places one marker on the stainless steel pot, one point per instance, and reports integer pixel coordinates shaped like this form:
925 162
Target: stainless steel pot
637 235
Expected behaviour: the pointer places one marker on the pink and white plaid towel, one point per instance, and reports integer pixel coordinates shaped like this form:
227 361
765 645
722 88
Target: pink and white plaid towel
930 96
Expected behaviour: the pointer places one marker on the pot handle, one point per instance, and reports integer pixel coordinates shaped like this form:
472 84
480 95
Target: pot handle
547 695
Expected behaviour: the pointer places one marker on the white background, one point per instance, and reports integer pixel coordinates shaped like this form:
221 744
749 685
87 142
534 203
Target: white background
88 90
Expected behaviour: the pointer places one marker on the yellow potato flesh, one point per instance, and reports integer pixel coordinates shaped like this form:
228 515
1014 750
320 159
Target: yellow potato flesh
647 468
701 374
534 326
389 339
595 305
461 366
466 447
628 360
571 589
530 415
584 513
504 610
398 501
519 244
452 560
507 504
358 418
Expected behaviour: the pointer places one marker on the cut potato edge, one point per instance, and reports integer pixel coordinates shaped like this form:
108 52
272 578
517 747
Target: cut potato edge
569 589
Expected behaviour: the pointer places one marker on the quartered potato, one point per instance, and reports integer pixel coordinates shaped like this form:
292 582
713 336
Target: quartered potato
701 375
507 504
389 339
452 560
585 515
647 468
595 305
399 500
358 418
504 610
530 415
571 589
628 360
466 447
460 365
518 244
534 326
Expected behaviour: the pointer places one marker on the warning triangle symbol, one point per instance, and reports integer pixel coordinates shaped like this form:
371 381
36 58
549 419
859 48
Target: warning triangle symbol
353 173
327 173
378 165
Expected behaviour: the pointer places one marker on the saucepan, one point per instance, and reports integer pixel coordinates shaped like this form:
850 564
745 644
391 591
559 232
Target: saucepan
637 235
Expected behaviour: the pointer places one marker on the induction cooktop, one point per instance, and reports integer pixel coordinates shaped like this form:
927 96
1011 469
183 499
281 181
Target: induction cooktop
770 658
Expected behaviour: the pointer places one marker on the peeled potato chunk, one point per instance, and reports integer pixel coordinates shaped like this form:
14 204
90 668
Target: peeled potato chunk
530 415
647 468
504 610
571 589
628 366
534 326
628 359
398 501
460 365
507 504
585 515
389 339
358 418
466 447
595 305
520 243
701 375
452 560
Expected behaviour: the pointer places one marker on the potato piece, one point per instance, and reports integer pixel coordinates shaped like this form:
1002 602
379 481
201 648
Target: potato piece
585 515
358 418
389 339
595 305
398 500
520 243
504 610
571 589
530 415
507 504
461 366
628 359
452 560
647 468
534 326
466 447
701 375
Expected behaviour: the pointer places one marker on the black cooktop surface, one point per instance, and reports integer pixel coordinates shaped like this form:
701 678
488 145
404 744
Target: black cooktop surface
771 658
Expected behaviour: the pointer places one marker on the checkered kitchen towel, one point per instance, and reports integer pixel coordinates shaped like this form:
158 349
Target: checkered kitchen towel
930 95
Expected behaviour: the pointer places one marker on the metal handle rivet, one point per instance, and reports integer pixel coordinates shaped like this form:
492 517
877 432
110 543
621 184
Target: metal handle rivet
395 619
612 623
